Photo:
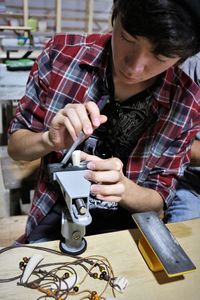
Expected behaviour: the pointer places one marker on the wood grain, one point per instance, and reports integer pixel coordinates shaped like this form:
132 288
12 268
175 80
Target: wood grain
121 250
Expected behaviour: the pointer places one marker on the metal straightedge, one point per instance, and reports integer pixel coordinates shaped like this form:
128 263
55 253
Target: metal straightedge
159 248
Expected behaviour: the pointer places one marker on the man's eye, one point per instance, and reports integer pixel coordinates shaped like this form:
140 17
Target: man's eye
161 59
124 38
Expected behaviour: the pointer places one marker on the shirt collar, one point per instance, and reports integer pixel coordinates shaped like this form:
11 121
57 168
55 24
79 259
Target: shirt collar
161 93
97 51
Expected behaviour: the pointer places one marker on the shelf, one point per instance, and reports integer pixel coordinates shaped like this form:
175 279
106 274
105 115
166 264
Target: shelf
59 18
25 13
20 15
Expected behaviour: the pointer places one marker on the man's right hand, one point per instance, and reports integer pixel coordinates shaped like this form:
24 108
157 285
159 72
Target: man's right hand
71 120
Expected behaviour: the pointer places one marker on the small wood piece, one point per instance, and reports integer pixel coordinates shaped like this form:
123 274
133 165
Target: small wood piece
76 158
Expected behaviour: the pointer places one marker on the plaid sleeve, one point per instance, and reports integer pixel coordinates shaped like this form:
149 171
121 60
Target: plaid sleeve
30 112
163 153
163 177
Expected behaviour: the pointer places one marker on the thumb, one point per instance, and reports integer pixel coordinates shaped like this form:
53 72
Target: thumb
103 119
89 157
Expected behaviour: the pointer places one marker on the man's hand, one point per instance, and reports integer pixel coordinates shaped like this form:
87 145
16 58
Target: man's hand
69 121
107 177
110 184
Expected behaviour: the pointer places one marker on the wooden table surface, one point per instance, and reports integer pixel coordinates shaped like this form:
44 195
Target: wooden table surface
121 250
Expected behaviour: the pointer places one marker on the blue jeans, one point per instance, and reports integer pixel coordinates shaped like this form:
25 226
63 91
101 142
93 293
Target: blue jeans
185 206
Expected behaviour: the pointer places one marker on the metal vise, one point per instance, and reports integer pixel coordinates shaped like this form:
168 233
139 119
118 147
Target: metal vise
75 216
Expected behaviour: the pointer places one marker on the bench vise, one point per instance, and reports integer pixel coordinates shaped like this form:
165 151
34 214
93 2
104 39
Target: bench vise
75 216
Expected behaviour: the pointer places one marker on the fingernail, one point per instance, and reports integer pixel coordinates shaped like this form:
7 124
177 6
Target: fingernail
88 130
95 188
96 122
91 166
88 175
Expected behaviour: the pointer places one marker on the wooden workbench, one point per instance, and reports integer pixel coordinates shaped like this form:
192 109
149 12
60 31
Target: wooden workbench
121 250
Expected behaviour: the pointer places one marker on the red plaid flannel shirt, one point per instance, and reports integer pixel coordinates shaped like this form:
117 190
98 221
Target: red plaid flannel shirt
68 70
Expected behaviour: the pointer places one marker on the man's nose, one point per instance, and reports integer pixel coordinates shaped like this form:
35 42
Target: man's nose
135 65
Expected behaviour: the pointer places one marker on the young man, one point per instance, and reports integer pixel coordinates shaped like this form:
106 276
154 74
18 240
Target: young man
138 145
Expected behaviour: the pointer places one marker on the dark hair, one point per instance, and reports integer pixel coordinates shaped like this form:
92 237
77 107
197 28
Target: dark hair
167 24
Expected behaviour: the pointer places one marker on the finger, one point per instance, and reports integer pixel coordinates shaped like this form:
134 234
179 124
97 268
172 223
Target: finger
73 120
103 119
60 120
106 164
105 177
71 129
87 126
79 118
110 190
89 157
94 113
109 198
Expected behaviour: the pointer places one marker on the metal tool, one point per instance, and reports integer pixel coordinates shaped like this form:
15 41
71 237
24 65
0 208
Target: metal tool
73 147
159 247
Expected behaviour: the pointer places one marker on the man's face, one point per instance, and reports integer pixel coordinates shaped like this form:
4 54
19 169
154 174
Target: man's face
133 57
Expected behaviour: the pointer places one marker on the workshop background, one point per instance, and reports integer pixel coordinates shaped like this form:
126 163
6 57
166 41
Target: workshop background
25 26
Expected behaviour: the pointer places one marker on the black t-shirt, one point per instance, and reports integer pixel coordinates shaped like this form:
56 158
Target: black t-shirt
117 137
126 123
